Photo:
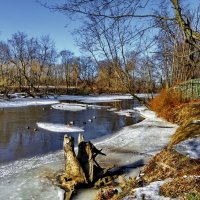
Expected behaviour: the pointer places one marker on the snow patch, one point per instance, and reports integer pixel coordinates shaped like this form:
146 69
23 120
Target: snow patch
148 192
112 109
196 122
146 113
70 107
190 148
59 127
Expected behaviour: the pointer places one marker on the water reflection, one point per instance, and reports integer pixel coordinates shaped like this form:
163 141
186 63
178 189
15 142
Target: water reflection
17 141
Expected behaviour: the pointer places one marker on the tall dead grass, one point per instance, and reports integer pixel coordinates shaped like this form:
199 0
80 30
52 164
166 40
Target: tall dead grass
167 104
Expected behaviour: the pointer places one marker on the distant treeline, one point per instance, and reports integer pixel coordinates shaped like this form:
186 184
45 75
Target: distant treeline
33 65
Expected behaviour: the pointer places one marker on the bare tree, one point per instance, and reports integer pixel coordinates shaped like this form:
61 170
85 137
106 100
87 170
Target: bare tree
87 72
112 42
7 75
30 62
140 12
46 59
67 64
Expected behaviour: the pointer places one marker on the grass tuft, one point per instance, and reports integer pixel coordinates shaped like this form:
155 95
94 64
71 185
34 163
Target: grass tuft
166 104
187 187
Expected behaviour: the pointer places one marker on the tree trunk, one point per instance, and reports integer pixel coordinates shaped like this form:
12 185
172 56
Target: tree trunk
82 169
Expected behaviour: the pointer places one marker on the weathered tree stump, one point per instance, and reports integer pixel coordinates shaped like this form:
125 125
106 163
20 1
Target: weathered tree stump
82 169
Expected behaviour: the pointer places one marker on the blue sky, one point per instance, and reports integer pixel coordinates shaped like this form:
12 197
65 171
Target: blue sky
31 18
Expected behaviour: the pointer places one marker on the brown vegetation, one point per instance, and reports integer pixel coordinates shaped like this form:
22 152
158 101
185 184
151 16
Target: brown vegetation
171 107
187 187
167 105
184 172
170 164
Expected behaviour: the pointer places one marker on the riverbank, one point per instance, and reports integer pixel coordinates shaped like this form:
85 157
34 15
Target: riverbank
175 171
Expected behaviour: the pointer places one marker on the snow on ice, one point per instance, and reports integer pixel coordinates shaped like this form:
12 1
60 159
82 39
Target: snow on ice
70 106
59 127
26 102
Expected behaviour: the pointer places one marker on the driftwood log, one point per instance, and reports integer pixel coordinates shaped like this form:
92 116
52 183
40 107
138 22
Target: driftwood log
81 169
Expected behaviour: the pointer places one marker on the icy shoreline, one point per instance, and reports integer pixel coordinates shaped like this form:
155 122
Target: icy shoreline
26 102
129 149
49 100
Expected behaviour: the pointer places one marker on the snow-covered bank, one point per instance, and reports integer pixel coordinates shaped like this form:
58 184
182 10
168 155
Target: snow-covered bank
129 149
100 98
146 137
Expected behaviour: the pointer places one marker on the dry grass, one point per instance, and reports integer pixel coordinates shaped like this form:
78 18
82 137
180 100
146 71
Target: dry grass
170 164
186 118
127 187
106 194
182 187
170 106
190 110
186 131
166 164
166 104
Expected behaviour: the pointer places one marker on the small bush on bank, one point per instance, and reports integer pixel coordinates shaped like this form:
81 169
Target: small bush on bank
166 104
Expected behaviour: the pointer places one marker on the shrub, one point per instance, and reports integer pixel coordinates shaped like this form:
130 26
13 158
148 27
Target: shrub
166 104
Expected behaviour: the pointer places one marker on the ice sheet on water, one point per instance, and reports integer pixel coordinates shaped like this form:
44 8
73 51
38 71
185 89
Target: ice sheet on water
19 166
26 102
112 109
190 148
127 113
142 137
97 106
70 106
59 127
76 107
28 179
95 99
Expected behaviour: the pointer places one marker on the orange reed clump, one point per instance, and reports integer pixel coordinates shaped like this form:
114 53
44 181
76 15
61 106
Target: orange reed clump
166 104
